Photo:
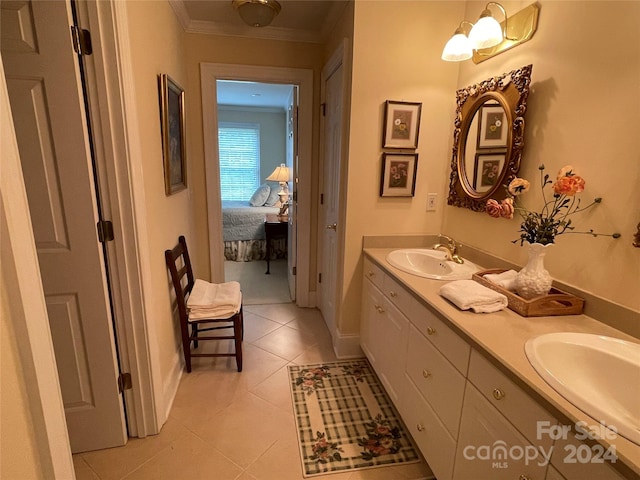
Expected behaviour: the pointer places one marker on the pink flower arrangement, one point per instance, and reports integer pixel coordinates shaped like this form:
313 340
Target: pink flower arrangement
542 227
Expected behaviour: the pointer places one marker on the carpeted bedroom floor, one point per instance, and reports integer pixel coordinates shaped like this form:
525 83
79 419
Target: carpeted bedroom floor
257 287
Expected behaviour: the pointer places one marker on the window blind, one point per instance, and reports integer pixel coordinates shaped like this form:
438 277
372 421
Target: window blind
239 146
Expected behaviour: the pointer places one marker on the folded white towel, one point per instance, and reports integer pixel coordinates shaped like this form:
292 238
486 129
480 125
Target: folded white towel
214 300
468 294
505 279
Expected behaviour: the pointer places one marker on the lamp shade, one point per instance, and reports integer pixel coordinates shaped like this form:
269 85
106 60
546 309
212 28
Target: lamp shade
257 13
458 48
280 174
486 33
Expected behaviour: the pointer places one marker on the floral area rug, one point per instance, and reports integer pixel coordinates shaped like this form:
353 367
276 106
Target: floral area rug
345 419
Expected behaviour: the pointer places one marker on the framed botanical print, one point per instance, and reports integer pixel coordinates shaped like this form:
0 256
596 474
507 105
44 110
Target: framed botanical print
401 124
398 176
493 129
173 135
487 169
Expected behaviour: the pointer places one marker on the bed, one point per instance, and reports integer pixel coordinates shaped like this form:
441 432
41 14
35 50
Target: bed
243 232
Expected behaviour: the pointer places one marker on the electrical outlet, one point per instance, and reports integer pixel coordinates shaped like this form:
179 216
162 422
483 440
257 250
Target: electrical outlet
432 201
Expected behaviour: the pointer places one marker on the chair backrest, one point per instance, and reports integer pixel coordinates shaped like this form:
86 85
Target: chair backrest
179 266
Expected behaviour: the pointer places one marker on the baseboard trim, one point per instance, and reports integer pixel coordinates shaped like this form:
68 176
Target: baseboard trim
346 346
170 387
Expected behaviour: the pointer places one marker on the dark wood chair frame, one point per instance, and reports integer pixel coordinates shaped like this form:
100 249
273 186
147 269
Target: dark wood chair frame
182 290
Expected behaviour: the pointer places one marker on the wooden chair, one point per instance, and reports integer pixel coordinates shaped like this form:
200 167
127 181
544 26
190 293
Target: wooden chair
179 266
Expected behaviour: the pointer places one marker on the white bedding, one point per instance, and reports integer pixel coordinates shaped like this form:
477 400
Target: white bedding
241 221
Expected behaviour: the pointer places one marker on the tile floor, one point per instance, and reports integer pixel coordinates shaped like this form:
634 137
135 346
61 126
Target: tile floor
226 425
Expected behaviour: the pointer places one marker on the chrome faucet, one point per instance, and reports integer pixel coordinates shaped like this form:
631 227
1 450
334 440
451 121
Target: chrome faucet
450 248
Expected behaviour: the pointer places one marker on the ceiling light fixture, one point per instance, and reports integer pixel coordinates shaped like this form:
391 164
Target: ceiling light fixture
487 37
257 13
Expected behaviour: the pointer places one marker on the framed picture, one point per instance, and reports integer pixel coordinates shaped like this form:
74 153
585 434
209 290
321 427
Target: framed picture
487 169
401 124
493 129
173 135
398 177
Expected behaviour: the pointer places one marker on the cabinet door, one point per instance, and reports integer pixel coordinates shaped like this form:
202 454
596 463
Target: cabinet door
577 460
490 447
393 347
371 323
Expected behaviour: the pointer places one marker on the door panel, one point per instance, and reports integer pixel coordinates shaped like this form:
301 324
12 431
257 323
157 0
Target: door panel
292 162
331 194
47 106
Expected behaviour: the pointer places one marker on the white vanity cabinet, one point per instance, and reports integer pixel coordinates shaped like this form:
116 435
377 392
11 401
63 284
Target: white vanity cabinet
574 459
409 347
384 331
469 419
499 435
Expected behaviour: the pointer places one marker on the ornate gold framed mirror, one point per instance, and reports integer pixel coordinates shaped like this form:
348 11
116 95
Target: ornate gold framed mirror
488 137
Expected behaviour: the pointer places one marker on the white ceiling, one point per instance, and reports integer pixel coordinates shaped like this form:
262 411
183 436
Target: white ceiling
299 20
253 94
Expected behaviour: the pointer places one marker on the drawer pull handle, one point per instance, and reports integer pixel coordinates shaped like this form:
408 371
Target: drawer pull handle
426 373
498 394
524 477
431 330
420 427
371 274
393 294
379 309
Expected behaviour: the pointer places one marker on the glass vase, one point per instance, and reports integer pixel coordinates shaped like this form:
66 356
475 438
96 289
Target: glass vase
534 280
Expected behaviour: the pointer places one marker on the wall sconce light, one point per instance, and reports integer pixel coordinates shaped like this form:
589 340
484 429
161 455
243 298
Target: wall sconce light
257 13
487 37
282 174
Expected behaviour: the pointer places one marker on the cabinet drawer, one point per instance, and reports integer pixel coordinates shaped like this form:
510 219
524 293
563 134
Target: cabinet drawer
431 436
439 382
373 272
490 448
446 340
519 408
577 460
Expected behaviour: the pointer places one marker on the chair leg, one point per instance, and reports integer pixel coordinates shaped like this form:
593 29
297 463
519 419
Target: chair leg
237 333
186 346
194 334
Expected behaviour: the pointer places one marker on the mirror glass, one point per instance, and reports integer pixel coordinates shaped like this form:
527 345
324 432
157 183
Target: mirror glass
488 138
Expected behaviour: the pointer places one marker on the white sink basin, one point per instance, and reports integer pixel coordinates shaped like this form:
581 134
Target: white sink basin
428 263
599 375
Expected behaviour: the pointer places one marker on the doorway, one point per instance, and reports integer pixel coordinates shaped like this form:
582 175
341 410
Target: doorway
256 144
301 183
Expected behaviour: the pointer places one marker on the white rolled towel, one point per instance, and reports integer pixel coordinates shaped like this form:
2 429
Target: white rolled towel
214 300
470 295
505 279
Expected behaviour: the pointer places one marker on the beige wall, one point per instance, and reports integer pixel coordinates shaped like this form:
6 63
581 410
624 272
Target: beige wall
237 51
396 56
20 457
583 110
157 46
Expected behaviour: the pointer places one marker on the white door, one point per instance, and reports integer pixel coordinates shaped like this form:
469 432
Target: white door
45 91
330 199
292 162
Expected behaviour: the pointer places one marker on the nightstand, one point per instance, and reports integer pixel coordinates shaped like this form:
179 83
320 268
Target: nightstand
274 228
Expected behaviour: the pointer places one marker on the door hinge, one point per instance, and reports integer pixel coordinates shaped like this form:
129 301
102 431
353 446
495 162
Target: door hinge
294 270
124 382
105 231
81 40
319 278
324 109
322 199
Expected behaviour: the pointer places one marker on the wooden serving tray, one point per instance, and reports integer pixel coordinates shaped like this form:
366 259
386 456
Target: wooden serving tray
556 302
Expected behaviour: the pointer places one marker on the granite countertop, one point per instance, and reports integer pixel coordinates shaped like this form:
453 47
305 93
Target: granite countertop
501 337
